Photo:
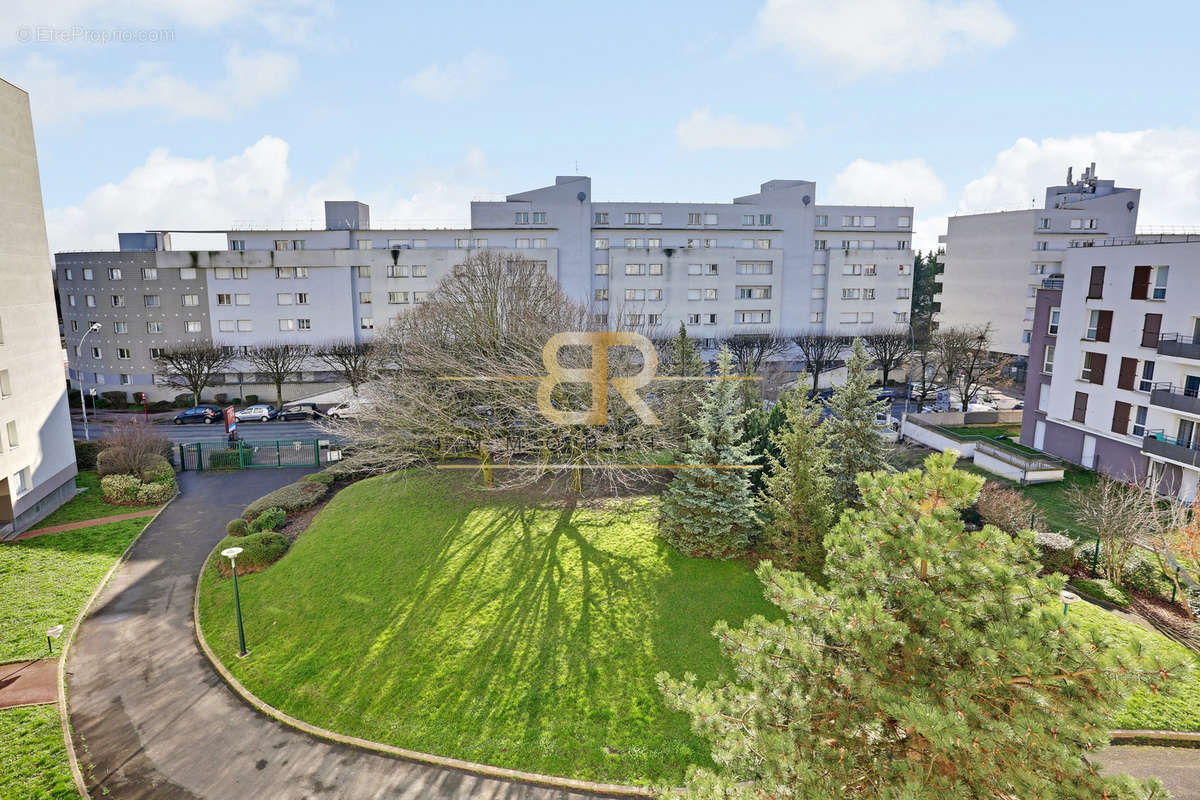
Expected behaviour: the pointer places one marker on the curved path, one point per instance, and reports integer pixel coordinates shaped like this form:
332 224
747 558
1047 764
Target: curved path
153 720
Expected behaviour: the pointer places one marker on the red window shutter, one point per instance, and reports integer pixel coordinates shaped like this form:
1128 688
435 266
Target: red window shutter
1120 420
1104 326
1079 412
1141 284
1150 330
1098 361
1128 373
1096 284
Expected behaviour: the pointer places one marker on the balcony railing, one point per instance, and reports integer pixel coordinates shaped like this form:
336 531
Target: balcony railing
1178 345
1176 398
1157 443
1052 283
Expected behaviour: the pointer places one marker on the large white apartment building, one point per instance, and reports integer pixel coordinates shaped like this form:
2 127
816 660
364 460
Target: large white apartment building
37 456
994 263
1114 373
769 261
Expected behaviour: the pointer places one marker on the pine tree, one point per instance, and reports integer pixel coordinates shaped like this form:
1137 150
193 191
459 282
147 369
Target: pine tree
681 397
760 426
797 508
853 438
937 664
710 512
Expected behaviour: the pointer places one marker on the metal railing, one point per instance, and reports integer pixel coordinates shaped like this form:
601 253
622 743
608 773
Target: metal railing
1119 241
1052 283
1179 345
1157 442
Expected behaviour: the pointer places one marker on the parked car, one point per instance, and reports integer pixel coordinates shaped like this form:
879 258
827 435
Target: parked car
206 414
347 410
259 413
300 411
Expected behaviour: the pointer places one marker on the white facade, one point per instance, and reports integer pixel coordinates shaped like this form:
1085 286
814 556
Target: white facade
995 262
37 455
770 261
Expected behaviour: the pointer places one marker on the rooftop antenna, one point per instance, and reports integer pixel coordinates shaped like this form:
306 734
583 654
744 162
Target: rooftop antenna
1069 170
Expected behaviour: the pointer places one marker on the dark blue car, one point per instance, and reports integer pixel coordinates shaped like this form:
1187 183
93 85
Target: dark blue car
206 414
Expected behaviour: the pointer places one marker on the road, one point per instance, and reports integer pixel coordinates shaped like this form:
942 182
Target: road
300 429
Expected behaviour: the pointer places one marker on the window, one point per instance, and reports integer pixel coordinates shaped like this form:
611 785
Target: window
635 294
281 299
363 271
398 271
710 294
87 273
600 244
1052 328
764 219
364 298
900 317
225 299
693 294
654 218
1151 326
694 269
633 319
521 218
1093 367
1044 224
241 273
904 269
710 219
695 218
1026 337
817 317
817 293
820 244
600 218
852 269
118 301
154 327
364 244
396 298
285 272
5 384
656 269
747 219
903 293
226 325
1096 284
120 327
89 300
237 244
654 243
245 326
601 269
693 319
1147 381
1043 397
97 352
635 269
903 222
301 298
654 319
633 242
654 294
151 301
24 481
849 294
297 244
1041 245
522 244
114 273
711 269
156 352
301 272
399 244
751 317
13 439
241 299
219 273
68 275
709 319
1079 410
753 293
419 243
191 326
462 243
600 319
710 242
1127 374
693 243
1139 421
304 324
71 300
187 273
821 219
1160 282
75 325
287 324
420 297
1099 326
754 268
481 243
849 244
635 218
764 244
124 353
902 244
539 218
868 294
1029 312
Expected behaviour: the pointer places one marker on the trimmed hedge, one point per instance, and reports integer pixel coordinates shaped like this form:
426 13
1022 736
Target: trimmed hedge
1102 589
325 476
224 459
156 469
293 497
268 520
259 551
1057 551
86 453
120 489
153 494
236 527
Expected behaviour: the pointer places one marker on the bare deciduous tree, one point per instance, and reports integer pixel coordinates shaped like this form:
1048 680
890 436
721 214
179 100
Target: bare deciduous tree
192 366
1119 513
278 361
888 347
966 359
355 362
462 384
924 369
820 350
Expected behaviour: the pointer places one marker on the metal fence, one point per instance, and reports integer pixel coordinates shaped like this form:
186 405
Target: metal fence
244 454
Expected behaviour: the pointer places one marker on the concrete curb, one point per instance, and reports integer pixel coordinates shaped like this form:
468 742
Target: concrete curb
64 651
1176 738
485 770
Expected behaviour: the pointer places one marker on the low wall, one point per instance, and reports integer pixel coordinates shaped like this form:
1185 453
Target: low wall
987 456
950 419
935 440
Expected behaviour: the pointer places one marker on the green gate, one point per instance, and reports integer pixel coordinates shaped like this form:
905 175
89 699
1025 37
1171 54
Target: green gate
244 454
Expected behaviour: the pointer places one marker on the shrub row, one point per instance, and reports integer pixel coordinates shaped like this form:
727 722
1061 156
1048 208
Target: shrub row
269 520
130 490
1057 550
1102 589
259 551
293 497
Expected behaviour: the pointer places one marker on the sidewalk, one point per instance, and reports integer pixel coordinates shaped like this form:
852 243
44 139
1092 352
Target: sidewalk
85 523
28 683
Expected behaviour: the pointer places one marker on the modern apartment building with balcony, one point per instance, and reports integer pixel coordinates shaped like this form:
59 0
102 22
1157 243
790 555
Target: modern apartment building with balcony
769 261
995 263
1114 373
37 455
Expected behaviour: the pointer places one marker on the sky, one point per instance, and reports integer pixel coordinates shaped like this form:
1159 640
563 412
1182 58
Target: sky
219 113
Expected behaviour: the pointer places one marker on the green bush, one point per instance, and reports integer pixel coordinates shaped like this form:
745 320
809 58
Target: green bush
1142 574
224 459
156 469
236 401
269 520
1057 551
120 488
118 399
251 399
184 400
153 494
1102 589
158 406
259 551
113 461
293 497
326 477
86 452
236 527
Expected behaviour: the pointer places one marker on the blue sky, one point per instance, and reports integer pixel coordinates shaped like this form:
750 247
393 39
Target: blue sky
257 110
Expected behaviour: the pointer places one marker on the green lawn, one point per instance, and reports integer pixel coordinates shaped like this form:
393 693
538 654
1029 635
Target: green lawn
1177 709
1013 430
33 756
86 505
501 629
45 581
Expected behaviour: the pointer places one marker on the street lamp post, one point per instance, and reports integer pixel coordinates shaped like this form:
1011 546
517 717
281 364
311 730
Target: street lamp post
232 553
95 326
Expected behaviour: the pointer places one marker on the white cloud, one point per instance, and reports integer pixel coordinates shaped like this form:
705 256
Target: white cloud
252 188
701 130
1163 163
468 77
857 37
58 96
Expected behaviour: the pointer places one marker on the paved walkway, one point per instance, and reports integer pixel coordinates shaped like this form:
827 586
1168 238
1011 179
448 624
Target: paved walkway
84 523
1177 767
28 683
155 721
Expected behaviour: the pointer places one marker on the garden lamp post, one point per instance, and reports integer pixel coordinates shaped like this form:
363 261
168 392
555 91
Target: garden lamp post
95 326
232 553
1068 599
51 635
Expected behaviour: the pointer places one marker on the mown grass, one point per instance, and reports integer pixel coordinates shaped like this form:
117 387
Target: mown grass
1013 430
33 756
501 629
86 505
44 581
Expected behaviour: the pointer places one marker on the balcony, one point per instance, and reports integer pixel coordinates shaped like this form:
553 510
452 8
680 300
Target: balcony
1052 283
1177 345
1157 444
1176 398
